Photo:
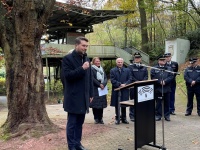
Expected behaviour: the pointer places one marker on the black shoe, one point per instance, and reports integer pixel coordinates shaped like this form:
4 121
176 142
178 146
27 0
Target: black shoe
80 147
101 121
132 119
125 121
167 119
117 122
158 118
188 113
199 114
96 121
172 113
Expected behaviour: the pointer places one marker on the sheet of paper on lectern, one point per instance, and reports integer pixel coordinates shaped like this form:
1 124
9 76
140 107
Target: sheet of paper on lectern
104 91
145 93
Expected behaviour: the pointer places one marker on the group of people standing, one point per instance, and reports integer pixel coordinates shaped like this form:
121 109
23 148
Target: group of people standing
164 87
82 81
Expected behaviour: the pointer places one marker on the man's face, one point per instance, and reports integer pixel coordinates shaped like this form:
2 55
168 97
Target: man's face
82 47
137 59
161 62
119 63
168 58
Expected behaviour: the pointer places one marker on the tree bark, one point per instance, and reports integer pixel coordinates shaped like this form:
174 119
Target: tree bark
143 20
21 27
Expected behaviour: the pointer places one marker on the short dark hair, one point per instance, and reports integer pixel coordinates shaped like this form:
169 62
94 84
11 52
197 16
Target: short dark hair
79 39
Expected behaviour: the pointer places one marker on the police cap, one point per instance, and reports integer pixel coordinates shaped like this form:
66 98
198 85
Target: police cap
137 55
192 60
161 57
167 54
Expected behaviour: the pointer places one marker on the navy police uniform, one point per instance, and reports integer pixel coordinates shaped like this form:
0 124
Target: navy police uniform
192 73
174 66
138 73
167 77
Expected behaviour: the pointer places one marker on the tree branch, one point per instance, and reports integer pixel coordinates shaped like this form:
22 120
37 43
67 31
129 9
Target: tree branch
194 7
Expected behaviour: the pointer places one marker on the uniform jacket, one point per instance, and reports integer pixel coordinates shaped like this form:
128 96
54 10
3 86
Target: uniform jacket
98 101
138 73
78 84
117 79
166 76
192 74
174 66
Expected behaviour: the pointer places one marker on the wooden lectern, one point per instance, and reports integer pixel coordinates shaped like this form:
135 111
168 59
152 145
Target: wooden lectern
144 103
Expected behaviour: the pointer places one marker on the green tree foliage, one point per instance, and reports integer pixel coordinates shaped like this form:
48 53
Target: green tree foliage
194 37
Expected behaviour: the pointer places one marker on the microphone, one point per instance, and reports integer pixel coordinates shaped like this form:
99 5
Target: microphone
85 57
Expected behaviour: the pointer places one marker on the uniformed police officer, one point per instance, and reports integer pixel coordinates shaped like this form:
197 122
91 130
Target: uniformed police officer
138 73
174 66
162 87
192 79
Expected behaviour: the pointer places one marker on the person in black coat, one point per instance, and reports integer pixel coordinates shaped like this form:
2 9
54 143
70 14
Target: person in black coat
162 86
138 73
174 66
78 91
192 80
99 82
120 77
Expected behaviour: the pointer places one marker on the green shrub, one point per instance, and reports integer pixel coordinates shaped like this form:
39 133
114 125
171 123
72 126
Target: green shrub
194 37
56 90
2 86
107 66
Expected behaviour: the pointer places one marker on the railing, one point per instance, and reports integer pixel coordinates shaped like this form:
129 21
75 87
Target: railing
106 52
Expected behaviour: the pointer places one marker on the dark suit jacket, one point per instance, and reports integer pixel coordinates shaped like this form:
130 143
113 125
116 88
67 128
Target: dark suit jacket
117 79
78 84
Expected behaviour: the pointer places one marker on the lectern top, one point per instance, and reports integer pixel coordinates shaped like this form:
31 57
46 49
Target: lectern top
132 84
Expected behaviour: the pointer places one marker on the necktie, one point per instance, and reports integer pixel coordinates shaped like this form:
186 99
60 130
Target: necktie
119 71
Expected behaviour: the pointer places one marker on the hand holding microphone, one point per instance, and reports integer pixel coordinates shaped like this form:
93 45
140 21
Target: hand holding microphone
86 64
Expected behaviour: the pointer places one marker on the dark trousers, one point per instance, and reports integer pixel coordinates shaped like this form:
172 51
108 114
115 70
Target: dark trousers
131 109
172 98
98 113
190 95
123 113
74 129
166 97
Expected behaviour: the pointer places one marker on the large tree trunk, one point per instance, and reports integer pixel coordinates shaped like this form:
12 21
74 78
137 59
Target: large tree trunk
143 20
20 33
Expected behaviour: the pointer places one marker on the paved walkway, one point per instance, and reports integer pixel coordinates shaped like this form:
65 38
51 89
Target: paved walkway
181 133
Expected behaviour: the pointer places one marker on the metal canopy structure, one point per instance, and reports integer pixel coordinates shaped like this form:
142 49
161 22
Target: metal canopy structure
67 18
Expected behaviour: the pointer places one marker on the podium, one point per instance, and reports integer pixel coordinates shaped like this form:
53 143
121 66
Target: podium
144 103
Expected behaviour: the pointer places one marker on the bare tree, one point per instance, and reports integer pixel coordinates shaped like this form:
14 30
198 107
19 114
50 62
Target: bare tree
144 33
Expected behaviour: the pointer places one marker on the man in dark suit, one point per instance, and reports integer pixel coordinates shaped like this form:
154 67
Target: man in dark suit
78 91
174 66
138 73
162 87
120 77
